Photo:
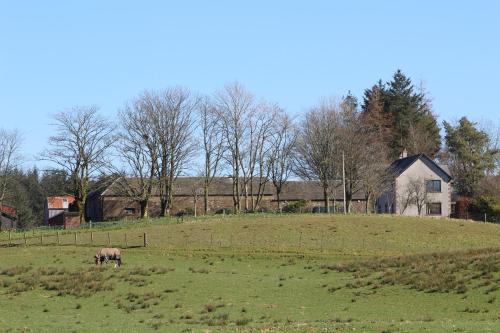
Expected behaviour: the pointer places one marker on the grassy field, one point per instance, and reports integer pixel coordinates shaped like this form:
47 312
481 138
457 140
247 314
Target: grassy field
297 273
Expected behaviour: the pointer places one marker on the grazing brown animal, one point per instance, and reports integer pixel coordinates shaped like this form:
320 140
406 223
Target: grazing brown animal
106 254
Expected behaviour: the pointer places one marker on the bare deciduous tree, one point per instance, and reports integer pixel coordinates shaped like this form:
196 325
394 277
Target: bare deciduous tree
374 174
138 149
354 141
281 154
80 146
234 105
416 186
258 145
213 146
172 124
413 193
404 199
318 147
10 145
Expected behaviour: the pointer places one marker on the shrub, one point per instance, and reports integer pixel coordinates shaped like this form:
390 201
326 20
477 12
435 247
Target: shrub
296 207
322 209
189 211
225 210
486 204
264 209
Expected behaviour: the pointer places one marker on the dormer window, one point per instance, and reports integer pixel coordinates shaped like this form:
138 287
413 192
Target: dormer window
433 186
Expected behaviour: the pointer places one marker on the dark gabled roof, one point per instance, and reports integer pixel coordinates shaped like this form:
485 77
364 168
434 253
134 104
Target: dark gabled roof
223 186
311 190
399 166
184 186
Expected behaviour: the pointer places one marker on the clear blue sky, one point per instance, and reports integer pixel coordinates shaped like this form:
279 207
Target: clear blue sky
58 54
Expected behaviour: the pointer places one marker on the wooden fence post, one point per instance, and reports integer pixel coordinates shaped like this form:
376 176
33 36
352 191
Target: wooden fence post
126 245
75 238
145 240
10 238
41 239
91 238
58 242
25 241
109 240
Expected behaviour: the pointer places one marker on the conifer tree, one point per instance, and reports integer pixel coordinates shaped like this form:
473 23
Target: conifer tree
468 154
402 116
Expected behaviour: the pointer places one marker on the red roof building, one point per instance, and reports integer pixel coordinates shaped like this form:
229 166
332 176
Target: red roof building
8 217
57 211
8 210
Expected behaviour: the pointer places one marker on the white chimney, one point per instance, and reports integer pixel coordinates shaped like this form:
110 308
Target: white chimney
404 153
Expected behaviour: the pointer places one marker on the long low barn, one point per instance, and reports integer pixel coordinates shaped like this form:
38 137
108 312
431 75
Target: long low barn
115 201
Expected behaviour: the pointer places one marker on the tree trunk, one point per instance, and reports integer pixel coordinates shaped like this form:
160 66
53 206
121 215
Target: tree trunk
278 193
236 191
245 193
144 208
169 201
163 207
195 204
205 199
348 201
367 198
252 199
81 209
327 200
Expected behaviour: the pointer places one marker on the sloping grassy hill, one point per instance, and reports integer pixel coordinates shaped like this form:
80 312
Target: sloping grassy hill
297 273
317 233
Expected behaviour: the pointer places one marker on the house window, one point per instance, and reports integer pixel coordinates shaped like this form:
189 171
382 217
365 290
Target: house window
434 208
433 186
129 211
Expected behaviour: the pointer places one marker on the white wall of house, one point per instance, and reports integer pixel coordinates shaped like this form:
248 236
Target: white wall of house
418 170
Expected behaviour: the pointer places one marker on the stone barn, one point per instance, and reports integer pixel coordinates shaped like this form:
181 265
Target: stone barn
114 202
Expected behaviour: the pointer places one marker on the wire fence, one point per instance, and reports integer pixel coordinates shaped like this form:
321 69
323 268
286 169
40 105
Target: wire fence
59 238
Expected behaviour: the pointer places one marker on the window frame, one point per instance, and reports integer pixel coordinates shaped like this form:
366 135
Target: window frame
432 188
428 209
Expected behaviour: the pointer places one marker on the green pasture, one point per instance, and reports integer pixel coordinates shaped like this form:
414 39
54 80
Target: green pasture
296 273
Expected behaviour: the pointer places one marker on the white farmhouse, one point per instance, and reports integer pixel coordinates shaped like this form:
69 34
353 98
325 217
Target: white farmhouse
420 187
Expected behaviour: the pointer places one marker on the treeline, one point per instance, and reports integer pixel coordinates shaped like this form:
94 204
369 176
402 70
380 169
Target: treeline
27 190
343 144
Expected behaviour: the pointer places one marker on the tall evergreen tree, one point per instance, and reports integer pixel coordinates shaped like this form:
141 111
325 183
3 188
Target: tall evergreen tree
374 115
402 116
55 182
468 154
27 196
